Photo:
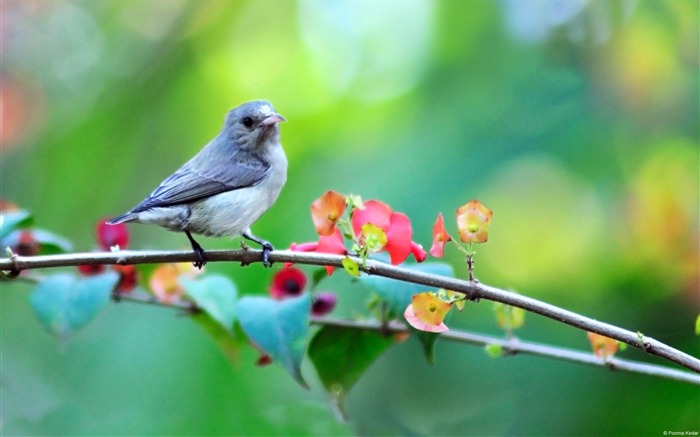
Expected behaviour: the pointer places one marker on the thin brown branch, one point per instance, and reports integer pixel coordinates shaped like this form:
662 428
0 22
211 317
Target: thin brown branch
509 346
514 346
473 289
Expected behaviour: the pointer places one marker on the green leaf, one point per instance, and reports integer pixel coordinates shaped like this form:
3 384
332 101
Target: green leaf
65 303
11 221
697 325
341 356
398 294
318 276
351 266
229 343
427 340
494 350
216 295
508 317
280 328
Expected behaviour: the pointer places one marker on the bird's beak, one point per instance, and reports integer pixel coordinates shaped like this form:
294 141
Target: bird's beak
272 119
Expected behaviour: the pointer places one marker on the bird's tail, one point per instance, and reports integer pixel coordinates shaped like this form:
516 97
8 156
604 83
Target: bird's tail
129 216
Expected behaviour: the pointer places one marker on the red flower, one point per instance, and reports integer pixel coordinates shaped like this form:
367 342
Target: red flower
440 238
128 278
396 227
288 282
90 269
111 235
263 360
326 211
326 244
26 244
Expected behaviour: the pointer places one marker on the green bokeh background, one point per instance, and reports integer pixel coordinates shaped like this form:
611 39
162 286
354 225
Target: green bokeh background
576 122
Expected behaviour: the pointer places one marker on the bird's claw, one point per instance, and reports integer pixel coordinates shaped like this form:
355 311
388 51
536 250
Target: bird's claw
267 248
201 258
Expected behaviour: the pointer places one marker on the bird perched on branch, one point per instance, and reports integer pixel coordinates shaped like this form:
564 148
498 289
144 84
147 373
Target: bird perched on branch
227 186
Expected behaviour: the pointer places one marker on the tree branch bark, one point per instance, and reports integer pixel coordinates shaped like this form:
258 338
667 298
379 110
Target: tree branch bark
474 290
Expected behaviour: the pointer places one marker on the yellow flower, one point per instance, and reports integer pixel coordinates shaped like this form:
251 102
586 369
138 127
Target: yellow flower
427 312
473 222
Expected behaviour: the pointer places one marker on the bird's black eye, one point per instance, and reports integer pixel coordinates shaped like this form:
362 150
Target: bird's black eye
247 122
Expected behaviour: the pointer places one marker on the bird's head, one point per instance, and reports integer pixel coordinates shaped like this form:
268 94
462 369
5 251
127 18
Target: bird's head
252 124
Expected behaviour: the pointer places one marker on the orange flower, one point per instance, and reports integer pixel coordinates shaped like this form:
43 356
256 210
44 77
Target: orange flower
427 312
164 281
326 211
473 222
603 347
440 238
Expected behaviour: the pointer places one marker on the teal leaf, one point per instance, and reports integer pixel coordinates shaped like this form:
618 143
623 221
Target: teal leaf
342 355
9 221
398 294
280 328
51 243
65 303
216 295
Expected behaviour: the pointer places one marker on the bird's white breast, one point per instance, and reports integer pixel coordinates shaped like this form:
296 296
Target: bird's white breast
233 212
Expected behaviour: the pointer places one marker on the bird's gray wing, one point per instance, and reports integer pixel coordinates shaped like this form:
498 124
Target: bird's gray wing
191 182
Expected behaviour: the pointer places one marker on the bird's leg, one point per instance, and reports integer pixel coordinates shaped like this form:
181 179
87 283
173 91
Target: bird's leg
266 246
201 259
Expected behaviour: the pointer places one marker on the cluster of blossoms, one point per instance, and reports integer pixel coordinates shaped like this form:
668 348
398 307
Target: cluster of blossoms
428 310
370 226
113 238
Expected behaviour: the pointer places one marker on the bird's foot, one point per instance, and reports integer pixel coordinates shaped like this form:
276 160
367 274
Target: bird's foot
201 258
267 248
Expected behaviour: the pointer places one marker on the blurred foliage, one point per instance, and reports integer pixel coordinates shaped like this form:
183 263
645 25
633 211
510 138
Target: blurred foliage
576 122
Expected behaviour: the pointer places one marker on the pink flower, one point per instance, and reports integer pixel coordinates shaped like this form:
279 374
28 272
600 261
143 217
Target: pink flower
326 244
440 238
395 226
323 303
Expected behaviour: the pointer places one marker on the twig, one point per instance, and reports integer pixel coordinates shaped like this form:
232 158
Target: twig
509 346
248 256
514 346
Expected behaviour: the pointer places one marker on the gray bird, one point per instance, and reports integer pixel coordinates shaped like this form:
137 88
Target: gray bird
227 186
